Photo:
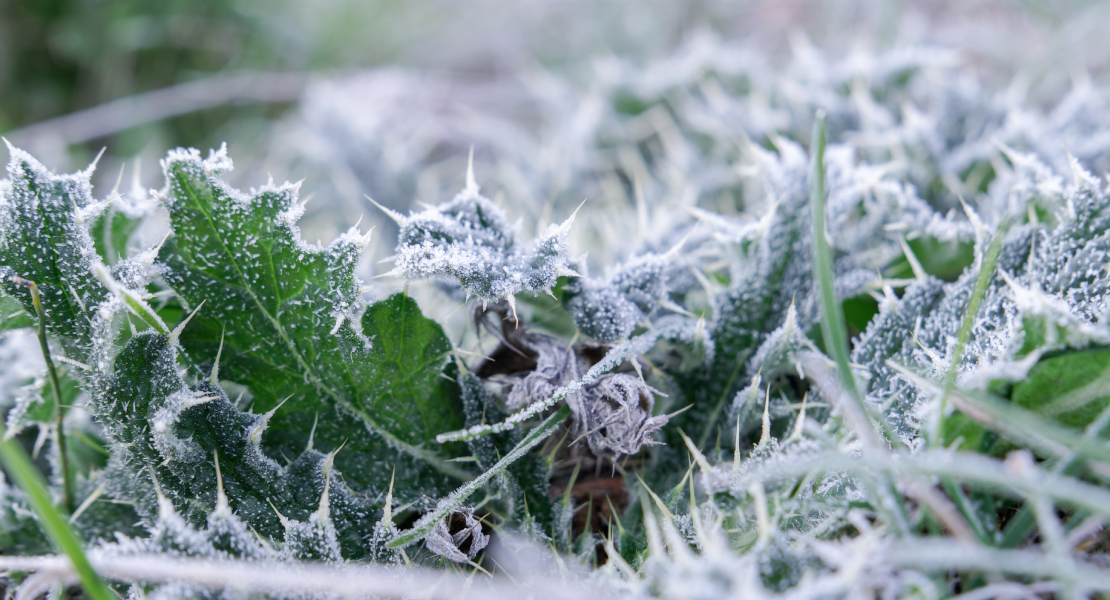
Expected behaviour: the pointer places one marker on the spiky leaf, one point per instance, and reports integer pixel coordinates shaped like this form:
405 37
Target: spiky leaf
289 316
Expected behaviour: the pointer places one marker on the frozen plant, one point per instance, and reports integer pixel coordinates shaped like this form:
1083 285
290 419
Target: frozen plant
867 363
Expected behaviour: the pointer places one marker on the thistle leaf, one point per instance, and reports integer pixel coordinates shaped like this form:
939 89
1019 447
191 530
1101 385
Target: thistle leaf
291 321
168 435
44 238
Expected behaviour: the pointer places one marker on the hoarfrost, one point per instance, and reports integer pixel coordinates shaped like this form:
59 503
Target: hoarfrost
468 239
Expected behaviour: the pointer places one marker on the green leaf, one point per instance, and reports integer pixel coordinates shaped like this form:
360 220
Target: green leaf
111 231
12 315
945 260
753 306
161 426
288 315
524 483
1072 389
44 237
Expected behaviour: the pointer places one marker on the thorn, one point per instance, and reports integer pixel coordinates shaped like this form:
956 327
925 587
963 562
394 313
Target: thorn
328 461
699 458
392 214
973 218
214 378
98 492
115 188
680 411
387 513
312 434
221 497
736 447
471 185
765 436
176 333
155 250
323 510
564 227
284 521
137 178
92 166
512 304
365 238
918 271
798 425
198 400
675 249
256 433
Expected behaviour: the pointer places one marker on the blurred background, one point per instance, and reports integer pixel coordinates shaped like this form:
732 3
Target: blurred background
384 98
638 107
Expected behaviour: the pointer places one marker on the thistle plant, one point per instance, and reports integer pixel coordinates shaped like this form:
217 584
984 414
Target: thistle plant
857 347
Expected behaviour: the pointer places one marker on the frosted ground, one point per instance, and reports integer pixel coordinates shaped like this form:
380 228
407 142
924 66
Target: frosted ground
966 164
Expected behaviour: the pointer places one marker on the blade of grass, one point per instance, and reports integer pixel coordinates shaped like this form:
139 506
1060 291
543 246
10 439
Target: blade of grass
834 329
26 476
36 300
833 326
986 274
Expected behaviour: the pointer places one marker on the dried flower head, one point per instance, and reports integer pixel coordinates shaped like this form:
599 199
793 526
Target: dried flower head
614 415
448 538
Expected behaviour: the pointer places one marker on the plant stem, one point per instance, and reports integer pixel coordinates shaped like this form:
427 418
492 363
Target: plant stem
67 484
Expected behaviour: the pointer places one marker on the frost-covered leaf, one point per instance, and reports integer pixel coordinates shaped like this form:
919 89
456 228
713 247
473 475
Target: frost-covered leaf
776 276
44 237
293 323
468 239
167 435
34 403
609 310
1048 294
